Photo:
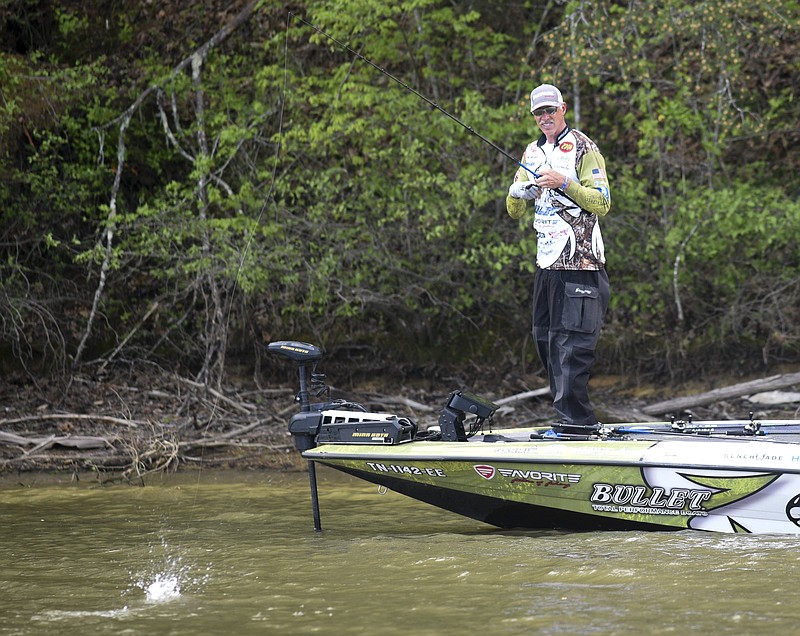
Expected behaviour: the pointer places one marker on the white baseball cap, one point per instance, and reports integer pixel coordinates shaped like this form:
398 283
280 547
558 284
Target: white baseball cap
545 95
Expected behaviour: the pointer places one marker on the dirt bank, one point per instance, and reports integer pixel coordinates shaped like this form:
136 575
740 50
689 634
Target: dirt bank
127 427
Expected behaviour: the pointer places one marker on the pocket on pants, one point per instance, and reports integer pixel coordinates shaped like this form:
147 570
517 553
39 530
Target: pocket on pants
582 311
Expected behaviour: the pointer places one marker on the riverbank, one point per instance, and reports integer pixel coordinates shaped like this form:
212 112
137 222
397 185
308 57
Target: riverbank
128 427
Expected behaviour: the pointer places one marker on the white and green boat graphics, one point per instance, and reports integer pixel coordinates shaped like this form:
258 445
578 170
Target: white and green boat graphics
703 484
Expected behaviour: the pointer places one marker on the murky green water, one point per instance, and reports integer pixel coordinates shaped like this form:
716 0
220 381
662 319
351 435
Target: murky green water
237 554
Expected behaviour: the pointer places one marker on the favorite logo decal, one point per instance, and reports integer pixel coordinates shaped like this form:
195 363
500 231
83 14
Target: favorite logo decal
487 472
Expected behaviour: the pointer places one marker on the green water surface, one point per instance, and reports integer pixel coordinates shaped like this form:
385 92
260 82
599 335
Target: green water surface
236 554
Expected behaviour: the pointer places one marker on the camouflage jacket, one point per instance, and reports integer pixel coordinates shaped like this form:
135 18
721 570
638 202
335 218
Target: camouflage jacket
567 222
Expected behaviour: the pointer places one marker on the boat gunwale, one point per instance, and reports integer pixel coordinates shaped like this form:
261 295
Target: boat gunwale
322 455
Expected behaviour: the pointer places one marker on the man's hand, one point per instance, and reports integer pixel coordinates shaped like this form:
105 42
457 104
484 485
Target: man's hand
549 178
524 190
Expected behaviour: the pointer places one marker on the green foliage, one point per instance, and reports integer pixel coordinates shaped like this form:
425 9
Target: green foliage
290 189
683 109
394 192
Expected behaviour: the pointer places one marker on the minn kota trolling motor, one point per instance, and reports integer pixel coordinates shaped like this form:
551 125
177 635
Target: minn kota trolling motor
345 422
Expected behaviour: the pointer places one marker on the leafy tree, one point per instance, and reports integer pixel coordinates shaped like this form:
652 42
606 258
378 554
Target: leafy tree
183 182
689 97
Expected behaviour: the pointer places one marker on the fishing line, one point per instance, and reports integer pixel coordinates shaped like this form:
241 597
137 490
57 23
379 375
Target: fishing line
425 99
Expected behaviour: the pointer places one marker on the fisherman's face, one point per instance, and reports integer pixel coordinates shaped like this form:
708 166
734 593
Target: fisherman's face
550 123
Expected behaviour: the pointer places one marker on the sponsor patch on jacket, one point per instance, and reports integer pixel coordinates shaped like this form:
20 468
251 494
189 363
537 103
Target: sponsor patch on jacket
566 146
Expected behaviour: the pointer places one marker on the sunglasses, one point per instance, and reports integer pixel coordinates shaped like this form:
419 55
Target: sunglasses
544 110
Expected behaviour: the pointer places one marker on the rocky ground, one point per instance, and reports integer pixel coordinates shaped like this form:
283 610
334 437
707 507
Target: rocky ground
125 428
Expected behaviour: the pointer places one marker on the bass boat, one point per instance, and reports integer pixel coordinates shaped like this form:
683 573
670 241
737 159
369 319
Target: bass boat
721 476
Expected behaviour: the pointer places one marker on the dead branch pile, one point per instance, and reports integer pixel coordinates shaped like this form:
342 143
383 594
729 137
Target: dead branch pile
122 432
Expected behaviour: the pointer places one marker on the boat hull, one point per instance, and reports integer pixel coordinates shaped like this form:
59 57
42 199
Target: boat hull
500 512
721 486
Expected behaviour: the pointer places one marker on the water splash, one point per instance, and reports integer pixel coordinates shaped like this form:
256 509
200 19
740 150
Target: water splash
167 577
165 587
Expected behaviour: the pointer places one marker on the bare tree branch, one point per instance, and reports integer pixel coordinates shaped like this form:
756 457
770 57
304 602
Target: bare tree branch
123 120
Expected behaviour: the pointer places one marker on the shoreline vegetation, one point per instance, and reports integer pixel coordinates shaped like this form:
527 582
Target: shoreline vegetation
184 183
116 431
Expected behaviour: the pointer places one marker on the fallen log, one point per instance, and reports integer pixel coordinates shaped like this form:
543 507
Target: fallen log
774 398
677 405
518 397
81 442
72 416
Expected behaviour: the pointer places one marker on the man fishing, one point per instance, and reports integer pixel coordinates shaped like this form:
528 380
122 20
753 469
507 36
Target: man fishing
569 193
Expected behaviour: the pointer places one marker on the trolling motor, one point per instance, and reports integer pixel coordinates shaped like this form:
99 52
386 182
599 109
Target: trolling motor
303 354
343 422
336 421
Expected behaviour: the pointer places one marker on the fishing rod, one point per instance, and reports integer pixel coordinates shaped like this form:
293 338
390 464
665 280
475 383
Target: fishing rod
418 94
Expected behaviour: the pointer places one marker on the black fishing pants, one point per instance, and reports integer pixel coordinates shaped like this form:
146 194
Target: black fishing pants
568 311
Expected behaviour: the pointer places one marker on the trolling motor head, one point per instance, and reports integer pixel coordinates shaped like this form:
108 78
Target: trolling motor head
296 350
303 354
